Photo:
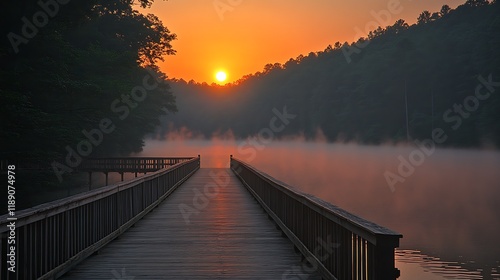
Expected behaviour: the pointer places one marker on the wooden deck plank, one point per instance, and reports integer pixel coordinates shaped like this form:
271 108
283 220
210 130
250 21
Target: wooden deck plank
230 238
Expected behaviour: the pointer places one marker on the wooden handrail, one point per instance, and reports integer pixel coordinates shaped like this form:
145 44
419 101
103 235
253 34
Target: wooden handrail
108 164
53 237
362 249
127 164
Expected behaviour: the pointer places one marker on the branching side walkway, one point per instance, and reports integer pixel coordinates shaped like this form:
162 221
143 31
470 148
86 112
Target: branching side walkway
223 234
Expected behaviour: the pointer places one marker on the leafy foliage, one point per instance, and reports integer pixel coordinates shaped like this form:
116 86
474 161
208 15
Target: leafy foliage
65 78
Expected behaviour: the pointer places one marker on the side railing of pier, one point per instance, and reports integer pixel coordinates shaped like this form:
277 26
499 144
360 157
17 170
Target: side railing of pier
108 164
338 244
53 237
128 164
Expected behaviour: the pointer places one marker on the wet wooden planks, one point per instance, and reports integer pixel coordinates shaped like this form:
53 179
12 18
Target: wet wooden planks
224 234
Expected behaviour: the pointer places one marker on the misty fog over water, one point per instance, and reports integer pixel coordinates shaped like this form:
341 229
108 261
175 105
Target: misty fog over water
447 209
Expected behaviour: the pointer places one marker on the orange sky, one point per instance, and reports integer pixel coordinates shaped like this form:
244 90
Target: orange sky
244 35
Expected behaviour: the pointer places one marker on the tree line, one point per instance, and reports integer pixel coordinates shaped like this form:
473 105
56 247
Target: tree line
406 81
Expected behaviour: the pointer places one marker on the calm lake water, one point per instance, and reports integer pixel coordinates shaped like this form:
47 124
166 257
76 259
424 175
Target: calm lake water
448 209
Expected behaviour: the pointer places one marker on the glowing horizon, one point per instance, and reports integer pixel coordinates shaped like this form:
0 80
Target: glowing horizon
245 36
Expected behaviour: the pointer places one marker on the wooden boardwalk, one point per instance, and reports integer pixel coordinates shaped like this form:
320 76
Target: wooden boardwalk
230 238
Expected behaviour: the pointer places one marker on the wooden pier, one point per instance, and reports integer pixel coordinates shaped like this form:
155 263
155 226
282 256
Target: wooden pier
183 222
224 235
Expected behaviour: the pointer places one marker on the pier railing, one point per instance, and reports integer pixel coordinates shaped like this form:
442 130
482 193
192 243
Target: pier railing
53 237
338 244
109 164
128 164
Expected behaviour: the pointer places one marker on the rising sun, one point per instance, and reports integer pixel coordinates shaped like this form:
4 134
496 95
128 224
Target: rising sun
221 76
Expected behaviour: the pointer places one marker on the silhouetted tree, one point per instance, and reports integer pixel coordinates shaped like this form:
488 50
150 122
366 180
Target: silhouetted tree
445 10
424 17
65 78
399 26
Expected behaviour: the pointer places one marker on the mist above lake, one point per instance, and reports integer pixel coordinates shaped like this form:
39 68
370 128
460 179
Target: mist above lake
447 208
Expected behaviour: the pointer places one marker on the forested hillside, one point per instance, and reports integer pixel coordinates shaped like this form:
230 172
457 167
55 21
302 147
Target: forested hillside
356 91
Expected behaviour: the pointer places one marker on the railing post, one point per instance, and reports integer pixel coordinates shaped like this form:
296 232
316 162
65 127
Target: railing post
384 258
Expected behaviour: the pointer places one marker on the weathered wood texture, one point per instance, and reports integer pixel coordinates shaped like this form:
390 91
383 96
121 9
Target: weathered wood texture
53 237
358 250
223 234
